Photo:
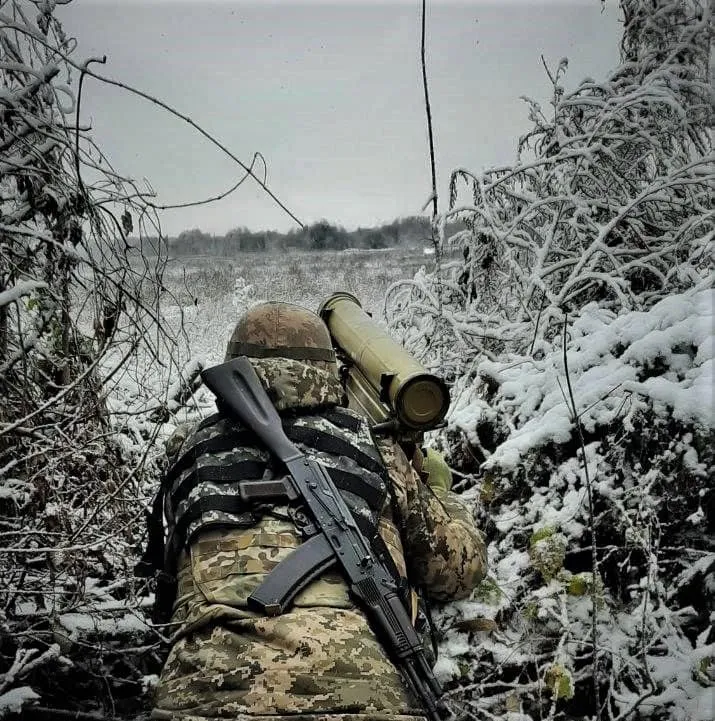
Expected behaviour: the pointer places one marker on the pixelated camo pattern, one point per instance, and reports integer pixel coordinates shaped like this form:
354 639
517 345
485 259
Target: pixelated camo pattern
320 657
295 384
323 661
305 397
444 551
291 384
207 488
173 445
320 660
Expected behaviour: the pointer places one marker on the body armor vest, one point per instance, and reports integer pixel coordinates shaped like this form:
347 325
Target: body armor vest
201 493
204 488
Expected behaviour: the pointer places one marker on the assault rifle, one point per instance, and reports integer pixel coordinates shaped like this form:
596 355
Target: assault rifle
383 382
333 536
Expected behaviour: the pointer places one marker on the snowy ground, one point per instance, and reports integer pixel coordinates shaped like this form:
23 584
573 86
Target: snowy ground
213 292
207 295
519 649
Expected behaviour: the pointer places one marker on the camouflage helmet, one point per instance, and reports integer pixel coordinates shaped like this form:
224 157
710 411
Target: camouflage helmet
282 330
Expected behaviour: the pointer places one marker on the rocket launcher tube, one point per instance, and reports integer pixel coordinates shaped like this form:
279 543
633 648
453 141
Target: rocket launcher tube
417 398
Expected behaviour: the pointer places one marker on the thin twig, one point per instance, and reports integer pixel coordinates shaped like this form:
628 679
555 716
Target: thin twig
156 101
592 528
82 73
428 110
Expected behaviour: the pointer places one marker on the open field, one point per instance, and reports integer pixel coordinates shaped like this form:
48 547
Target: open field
211 293
203 297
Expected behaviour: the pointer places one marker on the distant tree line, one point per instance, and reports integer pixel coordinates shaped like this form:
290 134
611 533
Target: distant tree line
411 231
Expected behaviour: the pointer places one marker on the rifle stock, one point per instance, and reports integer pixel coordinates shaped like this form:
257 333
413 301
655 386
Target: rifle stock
239 391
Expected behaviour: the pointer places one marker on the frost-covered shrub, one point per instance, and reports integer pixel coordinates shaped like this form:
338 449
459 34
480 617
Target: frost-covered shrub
643 387
610 201
574 319
77 300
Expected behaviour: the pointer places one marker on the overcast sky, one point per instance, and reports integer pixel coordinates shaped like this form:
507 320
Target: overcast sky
330 93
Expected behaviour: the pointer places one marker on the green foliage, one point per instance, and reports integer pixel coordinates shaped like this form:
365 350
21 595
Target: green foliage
540 535
581 584
559 681
488 591
530 610
606 211
704 671
547 550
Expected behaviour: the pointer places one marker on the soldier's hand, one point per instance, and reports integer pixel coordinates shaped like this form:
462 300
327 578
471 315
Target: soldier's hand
433 469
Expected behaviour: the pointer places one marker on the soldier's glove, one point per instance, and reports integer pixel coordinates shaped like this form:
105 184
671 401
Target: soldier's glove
433 469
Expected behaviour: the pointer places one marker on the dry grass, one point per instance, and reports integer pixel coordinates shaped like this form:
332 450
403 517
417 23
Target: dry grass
210 293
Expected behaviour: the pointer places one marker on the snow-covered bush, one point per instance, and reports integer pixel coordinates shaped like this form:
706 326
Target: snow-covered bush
574 318
610 200
78 299
643 388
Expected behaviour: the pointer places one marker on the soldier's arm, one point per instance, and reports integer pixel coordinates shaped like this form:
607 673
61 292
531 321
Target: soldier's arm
444 550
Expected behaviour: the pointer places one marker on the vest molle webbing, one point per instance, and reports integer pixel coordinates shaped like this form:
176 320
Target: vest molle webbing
202 489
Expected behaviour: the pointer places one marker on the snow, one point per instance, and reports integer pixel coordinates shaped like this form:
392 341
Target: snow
17 291
12 701
78 623
704 564
703 706
624 368
510 569
608 357
15 490
446 667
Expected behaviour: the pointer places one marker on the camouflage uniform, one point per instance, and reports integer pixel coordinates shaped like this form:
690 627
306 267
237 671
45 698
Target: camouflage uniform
319 660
